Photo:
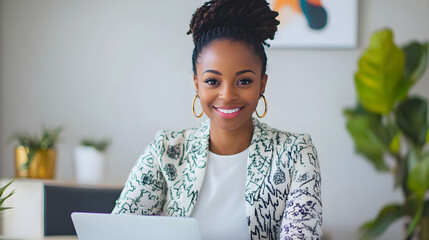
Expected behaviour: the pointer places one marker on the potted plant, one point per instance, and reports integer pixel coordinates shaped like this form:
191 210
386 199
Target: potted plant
35 155
390 129
90 160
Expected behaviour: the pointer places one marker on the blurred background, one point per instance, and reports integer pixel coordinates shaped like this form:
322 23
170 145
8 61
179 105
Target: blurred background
122 70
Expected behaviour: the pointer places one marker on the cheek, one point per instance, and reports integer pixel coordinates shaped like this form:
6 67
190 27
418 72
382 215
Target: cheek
206 97
253 98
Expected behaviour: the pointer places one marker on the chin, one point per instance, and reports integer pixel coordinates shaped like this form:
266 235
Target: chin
229 124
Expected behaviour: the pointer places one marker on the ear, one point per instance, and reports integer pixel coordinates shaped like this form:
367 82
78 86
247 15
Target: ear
196 83
263 83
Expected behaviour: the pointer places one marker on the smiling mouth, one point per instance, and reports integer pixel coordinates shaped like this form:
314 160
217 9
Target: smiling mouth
228 112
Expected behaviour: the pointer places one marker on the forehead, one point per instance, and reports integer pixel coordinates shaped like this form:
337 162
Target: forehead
227 55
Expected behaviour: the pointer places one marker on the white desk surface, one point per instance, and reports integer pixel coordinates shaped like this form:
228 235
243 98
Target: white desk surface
45 238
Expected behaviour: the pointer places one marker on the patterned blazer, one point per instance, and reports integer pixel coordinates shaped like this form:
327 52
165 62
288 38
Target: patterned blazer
283 184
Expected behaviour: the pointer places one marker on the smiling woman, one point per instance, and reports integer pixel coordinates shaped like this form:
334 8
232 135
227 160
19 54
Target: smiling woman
229 83
240 178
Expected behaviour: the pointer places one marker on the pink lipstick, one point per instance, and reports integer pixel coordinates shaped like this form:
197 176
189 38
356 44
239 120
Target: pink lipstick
228 112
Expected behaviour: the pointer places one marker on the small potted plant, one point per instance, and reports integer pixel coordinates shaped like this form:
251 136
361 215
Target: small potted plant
35 157
90 160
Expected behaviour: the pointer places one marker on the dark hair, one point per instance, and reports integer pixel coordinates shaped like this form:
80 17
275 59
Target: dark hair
250 21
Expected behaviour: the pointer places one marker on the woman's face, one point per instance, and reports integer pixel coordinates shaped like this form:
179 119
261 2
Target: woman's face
228 81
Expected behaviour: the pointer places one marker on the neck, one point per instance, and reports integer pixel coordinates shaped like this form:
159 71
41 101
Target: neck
229 142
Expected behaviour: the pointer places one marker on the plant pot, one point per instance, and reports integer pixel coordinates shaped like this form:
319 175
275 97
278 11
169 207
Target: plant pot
21 159
89 165
42 165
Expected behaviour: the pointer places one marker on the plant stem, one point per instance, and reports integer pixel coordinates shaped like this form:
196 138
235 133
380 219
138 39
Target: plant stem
389 120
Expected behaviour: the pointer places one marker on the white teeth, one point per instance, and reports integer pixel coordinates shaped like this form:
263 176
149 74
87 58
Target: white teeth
228 110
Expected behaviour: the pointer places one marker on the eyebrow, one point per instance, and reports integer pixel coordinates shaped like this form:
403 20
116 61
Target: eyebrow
212 71
245 71
238 73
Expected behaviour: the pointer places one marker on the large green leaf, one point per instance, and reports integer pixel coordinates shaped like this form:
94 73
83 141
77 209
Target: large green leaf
416 60
418 180
411 117
416 55
360 127
385 217
380 73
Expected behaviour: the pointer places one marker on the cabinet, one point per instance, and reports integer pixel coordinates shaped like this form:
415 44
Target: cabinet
42 208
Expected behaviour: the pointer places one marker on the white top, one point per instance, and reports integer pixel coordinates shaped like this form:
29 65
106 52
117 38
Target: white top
220 208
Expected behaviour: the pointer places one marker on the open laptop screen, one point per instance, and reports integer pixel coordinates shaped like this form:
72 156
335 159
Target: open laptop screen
93 226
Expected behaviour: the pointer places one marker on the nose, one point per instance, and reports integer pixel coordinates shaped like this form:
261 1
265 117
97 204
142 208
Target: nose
228 93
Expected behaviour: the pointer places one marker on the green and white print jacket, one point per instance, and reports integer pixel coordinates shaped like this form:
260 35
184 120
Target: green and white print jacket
283 184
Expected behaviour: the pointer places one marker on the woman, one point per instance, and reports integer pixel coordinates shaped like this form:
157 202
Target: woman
238 177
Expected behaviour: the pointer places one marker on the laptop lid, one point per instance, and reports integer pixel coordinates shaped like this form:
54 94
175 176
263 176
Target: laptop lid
105 226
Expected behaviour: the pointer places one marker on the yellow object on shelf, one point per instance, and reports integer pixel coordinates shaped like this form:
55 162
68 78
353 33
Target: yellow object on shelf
42 164
21 159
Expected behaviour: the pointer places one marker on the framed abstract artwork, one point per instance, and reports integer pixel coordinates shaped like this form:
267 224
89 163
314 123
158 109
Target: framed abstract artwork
316 23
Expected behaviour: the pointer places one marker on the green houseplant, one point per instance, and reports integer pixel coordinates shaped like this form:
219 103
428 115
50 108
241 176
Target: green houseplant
390 129
90 160
2 199
101 145
35 155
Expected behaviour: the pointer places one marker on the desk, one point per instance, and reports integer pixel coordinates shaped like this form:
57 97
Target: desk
45 238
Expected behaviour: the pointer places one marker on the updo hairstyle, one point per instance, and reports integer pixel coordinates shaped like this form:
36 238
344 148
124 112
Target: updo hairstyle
250 21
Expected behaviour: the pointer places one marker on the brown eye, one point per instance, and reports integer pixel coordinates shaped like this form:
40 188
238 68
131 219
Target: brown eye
211 81
245 81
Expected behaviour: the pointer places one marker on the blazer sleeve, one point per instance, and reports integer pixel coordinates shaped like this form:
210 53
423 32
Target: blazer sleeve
144 191
302 218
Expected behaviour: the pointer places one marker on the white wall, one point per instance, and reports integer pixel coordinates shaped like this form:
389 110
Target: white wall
122 69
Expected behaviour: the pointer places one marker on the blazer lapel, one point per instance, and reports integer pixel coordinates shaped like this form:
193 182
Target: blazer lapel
258 163
197 147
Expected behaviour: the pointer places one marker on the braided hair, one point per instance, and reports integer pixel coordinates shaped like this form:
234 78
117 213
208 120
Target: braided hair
250 21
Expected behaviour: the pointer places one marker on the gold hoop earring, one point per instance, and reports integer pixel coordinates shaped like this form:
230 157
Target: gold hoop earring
193 107
265 112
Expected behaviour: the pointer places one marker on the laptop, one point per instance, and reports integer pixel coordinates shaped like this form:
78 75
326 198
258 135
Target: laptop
106 226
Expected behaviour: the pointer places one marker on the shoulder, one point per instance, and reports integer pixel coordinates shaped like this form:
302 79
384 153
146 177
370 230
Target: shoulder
299 148
284 138
172 137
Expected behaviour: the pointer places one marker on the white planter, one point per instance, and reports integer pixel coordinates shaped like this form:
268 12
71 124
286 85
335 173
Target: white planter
89 165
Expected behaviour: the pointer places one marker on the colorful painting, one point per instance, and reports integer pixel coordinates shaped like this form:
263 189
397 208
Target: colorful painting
316 23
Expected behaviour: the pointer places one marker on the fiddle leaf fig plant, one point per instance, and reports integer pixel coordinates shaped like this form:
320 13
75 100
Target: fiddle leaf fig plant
390 129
